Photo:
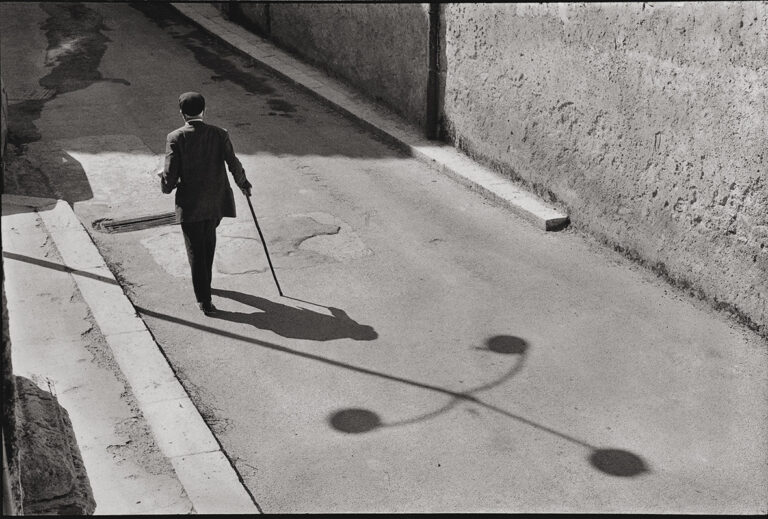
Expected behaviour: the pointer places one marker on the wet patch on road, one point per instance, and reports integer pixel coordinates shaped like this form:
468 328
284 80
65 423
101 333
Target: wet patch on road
76 45
208 50
281 107
216 61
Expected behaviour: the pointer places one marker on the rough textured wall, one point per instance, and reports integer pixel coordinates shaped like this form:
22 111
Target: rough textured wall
649 124
380 49
53 475
10 399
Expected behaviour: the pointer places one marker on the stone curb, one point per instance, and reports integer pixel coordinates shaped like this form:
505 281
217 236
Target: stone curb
443 157
212 484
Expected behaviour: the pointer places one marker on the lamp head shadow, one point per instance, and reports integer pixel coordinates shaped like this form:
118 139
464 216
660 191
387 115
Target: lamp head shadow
354 421
507 345
617 462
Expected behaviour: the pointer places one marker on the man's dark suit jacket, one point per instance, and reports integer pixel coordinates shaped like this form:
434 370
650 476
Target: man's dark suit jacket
195 155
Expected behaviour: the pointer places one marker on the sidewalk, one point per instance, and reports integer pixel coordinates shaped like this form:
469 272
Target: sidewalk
145 447
443 157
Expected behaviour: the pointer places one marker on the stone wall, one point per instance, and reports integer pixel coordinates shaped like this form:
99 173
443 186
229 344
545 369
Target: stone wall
53 477
380 49
9 398
649 124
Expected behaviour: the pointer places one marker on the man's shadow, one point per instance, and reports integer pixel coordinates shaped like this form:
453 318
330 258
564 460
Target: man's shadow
294 323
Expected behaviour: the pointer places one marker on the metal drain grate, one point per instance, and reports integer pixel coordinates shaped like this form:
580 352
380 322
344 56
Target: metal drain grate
32 94
134 224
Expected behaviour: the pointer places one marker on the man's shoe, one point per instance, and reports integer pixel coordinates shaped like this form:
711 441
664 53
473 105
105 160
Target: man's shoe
207 308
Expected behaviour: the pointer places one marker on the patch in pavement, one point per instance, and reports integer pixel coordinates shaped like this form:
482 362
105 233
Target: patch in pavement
343 246
294 241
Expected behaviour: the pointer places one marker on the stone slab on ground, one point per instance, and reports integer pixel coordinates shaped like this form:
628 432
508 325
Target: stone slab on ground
53 476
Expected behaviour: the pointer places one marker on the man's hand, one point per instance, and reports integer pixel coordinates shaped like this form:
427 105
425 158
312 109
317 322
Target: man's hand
246 191
164 187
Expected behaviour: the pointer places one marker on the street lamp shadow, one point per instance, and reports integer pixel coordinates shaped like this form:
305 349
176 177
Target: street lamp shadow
613 462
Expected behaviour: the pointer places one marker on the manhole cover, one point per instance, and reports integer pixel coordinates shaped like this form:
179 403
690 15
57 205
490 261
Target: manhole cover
134 224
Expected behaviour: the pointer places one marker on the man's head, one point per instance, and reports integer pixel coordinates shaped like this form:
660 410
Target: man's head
191 104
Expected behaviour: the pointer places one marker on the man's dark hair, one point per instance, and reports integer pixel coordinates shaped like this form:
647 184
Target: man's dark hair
191 103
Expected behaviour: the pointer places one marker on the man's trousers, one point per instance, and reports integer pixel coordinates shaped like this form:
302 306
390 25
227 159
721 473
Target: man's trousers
200 240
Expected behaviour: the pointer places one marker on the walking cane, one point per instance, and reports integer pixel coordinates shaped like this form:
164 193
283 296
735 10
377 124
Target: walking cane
263 242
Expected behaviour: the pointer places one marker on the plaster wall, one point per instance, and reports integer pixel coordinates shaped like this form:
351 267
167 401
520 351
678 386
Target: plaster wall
380 49
648 123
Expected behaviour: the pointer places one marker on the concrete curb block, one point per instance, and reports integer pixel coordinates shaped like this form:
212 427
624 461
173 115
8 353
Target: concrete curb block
211 483
442 157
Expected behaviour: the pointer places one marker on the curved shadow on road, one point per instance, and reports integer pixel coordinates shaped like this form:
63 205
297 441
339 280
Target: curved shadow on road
292 322
614 462
501 344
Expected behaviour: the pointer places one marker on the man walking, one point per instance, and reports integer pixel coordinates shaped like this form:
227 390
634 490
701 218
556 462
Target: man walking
195 155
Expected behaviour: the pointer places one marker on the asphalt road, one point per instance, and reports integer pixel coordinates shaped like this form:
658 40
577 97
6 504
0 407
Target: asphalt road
434 352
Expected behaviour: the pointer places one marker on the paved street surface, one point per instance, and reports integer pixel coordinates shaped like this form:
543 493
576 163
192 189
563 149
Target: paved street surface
433 352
